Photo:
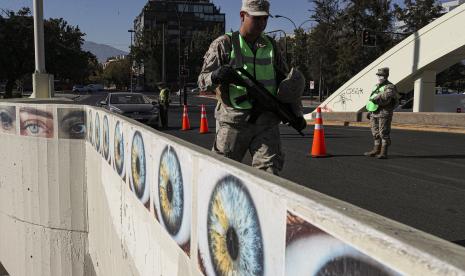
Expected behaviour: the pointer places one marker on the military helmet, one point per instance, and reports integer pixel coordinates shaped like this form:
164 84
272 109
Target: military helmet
383 72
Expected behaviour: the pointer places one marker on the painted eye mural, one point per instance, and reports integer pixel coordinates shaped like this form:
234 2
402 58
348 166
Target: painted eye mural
118 150
311 251
36 122
71 123
234 234
98 132
8 119
172 202
106 138
138 173
91 128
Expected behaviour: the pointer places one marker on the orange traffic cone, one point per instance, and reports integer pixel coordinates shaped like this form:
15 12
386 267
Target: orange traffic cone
203 121
319 146
185 119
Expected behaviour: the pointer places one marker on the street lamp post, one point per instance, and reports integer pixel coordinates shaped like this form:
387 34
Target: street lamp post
130 59
42 82
279 16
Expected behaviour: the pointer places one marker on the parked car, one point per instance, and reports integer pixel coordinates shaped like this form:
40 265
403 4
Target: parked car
94 87
133 105
79 88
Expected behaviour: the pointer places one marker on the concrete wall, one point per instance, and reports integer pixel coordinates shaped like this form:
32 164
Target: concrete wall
128 200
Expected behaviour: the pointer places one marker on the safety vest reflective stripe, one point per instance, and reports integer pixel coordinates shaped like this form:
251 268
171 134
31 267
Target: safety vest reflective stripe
258 61
259 65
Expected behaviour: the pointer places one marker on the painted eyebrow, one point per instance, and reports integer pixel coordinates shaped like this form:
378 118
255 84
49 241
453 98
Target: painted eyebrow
74 114
37 112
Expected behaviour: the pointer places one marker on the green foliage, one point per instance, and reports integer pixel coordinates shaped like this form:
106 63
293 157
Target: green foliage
118 72
64 57
417 14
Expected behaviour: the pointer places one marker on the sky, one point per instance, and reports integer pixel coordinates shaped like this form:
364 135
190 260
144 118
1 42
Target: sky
108 21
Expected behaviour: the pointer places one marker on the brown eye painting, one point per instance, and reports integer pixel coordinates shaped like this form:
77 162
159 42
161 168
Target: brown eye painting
7 119
36 122
71 123
313 252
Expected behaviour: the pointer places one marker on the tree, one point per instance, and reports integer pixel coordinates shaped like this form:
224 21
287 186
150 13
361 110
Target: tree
417 14
118 73
17 51
64 57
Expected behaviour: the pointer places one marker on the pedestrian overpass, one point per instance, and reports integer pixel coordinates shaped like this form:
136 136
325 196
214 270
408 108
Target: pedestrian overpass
413 64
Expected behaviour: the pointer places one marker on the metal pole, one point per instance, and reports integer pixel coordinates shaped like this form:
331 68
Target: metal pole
39 36
130 61
320 96
163 68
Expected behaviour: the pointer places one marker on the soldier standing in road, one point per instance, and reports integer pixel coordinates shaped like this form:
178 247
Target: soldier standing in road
164 104
250 49
380 106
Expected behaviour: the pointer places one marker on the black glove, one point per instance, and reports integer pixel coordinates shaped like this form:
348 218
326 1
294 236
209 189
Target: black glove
223 75
368 115
302 123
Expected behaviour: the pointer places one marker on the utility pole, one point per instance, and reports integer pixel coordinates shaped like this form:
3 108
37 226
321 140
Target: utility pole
163 67
42 83
130 60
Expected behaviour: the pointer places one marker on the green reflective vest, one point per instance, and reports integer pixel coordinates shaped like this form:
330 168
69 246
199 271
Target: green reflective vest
371 106
164 96
260 65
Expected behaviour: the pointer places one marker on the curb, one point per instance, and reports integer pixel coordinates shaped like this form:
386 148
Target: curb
424 128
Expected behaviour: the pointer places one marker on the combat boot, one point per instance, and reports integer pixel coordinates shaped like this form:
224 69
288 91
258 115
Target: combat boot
376 149
384 152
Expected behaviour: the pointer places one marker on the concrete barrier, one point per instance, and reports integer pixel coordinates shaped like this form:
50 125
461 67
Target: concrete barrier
408 118
86 192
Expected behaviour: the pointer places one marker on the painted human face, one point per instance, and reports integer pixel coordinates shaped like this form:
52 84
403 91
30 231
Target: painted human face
36 122
7 119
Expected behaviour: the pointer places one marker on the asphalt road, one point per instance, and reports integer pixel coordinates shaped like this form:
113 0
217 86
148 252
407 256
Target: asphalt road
422 184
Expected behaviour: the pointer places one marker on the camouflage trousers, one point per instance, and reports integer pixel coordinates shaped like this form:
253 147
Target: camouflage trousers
381 129
262 141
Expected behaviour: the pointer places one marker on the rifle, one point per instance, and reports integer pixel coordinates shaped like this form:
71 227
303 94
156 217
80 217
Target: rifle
261 100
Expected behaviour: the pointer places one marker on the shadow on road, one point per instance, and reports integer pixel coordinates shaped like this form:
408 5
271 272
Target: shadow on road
449 156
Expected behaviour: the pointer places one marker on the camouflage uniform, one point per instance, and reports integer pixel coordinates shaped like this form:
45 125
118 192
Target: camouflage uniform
380 120
234 135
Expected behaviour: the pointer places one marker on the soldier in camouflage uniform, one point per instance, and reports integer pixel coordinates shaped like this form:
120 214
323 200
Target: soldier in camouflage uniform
381 104
234 134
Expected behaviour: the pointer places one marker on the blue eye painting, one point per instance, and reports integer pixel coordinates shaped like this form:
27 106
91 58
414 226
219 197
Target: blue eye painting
173 201
118 150
106 138
91 129
138 175
98 132
234 235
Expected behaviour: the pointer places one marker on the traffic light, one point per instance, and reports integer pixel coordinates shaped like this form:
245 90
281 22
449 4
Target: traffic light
368 38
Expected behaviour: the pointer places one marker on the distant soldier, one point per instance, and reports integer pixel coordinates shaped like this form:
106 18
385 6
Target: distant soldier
380 106
164 104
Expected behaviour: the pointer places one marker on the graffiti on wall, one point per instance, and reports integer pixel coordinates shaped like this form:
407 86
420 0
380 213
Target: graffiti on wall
347 95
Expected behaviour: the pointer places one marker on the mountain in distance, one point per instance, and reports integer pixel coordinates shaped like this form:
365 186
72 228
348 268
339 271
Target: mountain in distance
102 51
